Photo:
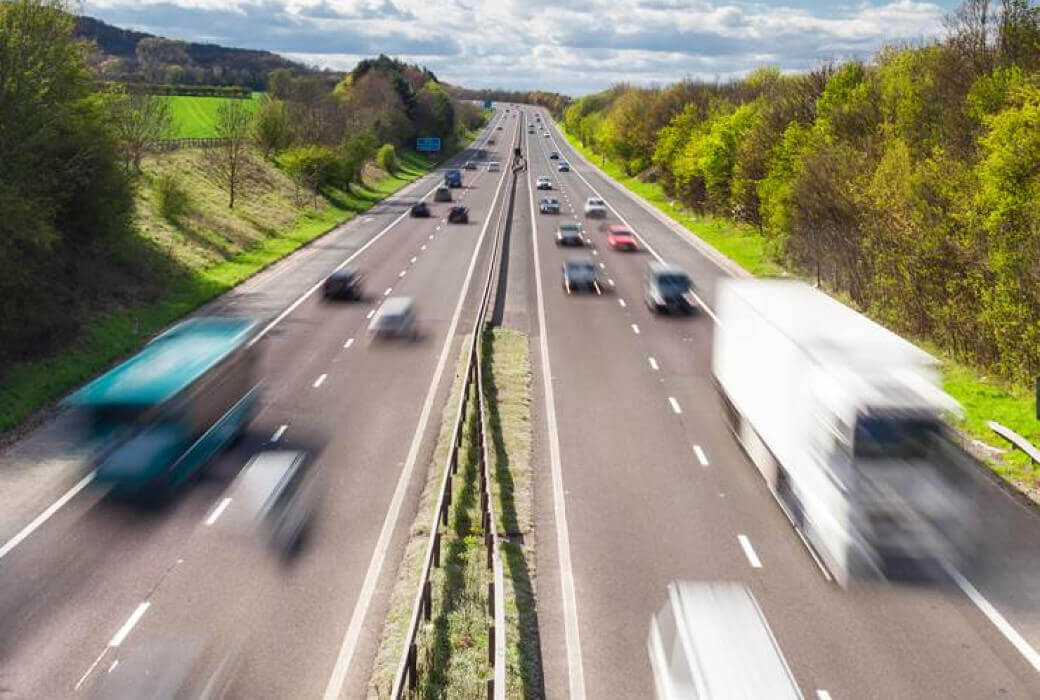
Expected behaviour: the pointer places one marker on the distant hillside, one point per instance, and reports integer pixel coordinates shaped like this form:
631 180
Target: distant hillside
130 56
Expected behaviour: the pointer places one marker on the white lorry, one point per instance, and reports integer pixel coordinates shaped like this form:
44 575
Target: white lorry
844 419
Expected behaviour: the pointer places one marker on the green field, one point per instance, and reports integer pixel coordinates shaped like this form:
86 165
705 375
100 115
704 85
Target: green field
196 117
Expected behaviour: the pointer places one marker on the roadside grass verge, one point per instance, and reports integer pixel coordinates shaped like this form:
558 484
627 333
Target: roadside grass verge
199 256
983 398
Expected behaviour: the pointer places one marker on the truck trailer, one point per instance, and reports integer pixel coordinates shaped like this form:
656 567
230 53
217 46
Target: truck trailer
845 421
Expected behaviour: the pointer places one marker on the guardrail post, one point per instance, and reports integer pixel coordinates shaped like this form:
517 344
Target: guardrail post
437 549
491 599
427 600
413 676
444 514
491 689
447 492
491 644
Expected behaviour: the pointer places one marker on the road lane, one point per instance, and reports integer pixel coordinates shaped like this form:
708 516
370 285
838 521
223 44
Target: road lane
646 511
354 419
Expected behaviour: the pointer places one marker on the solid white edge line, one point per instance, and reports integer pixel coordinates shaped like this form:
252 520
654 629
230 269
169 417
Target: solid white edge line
999 621
224 503
749 552
131 621
280 432
91 668
46 514
675 405
375 566
575 672
320 380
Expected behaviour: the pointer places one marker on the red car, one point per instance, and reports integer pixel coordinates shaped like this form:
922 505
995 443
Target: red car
620 238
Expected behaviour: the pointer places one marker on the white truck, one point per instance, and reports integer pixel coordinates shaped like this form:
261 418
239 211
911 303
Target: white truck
844 419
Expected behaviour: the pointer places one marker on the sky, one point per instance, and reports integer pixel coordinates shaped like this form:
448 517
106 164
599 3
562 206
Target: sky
571 46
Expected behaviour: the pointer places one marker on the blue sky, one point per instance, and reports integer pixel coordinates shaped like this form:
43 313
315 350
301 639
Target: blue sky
575 47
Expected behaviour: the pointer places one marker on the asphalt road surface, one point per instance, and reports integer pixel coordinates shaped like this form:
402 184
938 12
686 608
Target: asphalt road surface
637 468
100 587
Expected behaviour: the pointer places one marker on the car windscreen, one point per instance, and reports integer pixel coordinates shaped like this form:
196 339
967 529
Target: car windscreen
674 283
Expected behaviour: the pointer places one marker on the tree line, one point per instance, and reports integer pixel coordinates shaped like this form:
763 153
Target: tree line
909 184
72 148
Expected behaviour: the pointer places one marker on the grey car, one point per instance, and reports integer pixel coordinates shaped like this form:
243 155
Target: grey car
395 318
278 490
569 233
668 288
580 274
549 205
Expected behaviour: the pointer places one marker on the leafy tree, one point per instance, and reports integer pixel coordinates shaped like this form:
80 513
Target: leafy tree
139 121
311 167
386 158
232 156
271 130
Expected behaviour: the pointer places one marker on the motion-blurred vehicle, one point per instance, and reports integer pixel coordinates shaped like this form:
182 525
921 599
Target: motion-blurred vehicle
549 205
621 238
569 233
668 288
546 134
453 178
494 166
710 641
420 210
442 194
395 318
342 284
530 130
277 491
543 183
564 167
579 274
498 128
174 667
458 215
843 418
160 416
553 155
469 165
595 208
491 142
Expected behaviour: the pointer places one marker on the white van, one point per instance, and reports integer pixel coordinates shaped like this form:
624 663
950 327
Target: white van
710 641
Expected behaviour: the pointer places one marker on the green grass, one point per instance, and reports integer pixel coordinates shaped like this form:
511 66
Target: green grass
205 253
196 117
983 398
740 243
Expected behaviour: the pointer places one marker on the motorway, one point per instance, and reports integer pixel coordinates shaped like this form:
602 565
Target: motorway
99 587
639 482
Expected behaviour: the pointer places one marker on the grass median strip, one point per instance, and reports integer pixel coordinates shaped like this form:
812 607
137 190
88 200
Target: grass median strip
453 647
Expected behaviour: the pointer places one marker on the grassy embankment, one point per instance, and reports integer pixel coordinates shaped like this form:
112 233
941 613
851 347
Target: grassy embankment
983 398
198 254
196 117
453 646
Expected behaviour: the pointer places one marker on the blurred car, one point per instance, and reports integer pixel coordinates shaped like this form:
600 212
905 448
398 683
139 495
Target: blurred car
569 233
494 166
420 210
458 215
395 318
530 130
443 194
711 641
595 208
546 134
554 155
469 165
549 205
564 167
668 288
278 490
183 666
453 178
491 142
580 273
543 183
621 238
498 128
342 284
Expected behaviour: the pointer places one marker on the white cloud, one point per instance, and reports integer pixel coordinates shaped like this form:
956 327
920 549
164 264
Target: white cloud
574 46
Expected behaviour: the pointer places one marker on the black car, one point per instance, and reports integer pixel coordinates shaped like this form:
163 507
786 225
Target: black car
554 156
470 165
458 215
420 210
343 284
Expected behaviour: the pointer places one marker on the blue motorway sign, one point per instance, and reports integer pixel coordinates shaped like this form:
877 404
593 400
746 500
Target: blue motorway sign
427 144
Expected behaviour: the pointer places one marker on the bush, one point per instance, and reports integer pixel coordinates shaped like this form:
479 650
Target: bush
386 158
171 198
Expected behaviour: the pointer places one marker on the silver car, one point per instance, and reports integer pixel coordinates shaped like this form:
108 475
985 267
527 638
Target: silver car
549 205
595 208
278 491
395 318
